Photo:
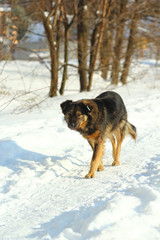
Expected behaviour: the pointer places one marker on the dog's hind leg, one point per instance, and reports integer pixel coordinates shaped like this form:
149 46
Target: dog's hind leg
119 138
113 141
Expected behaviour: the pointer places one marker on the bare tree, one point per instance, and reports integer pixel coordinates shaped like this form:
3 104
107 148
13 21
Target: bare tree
106 50
97 39
82 38
121 15
131 40
151 26
102 31
50 19
67 25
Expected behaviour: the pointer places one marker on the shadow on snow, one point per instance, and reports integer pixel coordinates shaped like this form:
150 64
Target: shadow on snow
15 157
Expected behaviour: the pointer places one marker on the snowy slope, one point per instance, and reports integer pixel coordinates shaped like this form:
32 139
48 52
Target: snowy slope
43 192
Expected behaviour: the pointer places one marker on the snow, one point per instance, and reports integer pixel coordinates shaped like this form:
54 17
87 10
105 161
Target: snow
43 192
5 8
36 33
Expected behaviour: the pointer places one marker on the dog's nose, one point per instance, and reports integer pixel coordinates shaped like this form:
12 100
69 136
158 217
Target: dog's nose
72 125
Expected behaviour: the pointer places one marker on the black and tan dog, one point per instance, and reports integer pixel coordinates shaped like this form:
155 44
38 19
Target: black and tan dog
98 119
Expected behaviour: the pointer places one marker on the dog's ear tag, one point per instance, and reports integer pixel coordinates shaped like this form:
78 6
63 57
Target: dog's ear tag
88 108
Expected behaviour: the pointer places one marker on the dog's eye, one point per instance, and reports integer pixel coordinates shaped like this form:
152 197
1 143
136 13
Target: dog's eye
70 115
79 114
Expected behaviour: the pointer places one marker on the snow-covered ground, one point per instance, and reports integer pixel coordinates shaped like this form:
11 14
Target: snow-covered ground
43 192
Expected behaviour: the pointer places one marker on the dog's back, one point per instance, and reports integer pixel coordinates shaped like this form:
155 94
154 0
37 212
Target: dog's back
112 103
117 113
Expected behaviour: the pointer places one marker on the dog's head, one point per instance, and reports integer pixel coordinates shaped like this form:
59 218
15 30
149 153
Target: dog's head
76 114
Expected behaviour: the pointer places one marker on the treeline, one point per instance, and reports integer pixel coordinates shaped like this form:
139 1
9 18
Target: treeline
108 33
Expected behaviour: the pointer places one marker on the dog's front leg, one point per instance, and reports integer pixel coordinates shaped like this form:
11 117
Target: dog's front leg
96 158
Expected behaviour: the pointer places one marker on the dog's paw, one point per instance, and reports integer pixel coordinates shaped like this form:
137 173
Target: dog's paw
100 168
90 175
115 163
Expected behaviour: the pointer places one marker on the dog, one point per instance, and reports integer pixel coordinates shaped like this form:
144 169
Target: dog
98 119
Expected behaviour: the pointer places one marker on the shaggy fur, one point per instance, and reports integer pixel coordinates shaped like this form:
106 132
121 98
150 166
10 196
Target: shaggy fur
98 119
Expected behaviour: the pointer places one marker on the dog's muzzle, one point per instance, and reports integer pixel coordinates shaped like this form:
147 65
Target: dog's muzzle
71 125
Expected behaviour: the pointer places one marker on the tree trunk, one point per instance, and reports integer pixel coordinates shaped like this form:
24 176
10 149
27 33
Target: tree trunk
67 27
93 49
65 60
118 43
53 57
95 45
54 74
82 32
49 23
106 52
130 47
58 37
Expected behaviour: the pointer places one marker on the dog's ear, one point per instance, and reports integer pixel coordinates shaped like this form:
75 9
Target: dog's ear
88 108
65 105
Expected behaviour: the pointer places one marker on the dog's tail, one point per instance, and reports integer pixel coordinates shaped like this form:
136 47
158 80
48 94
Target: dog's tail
131 129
